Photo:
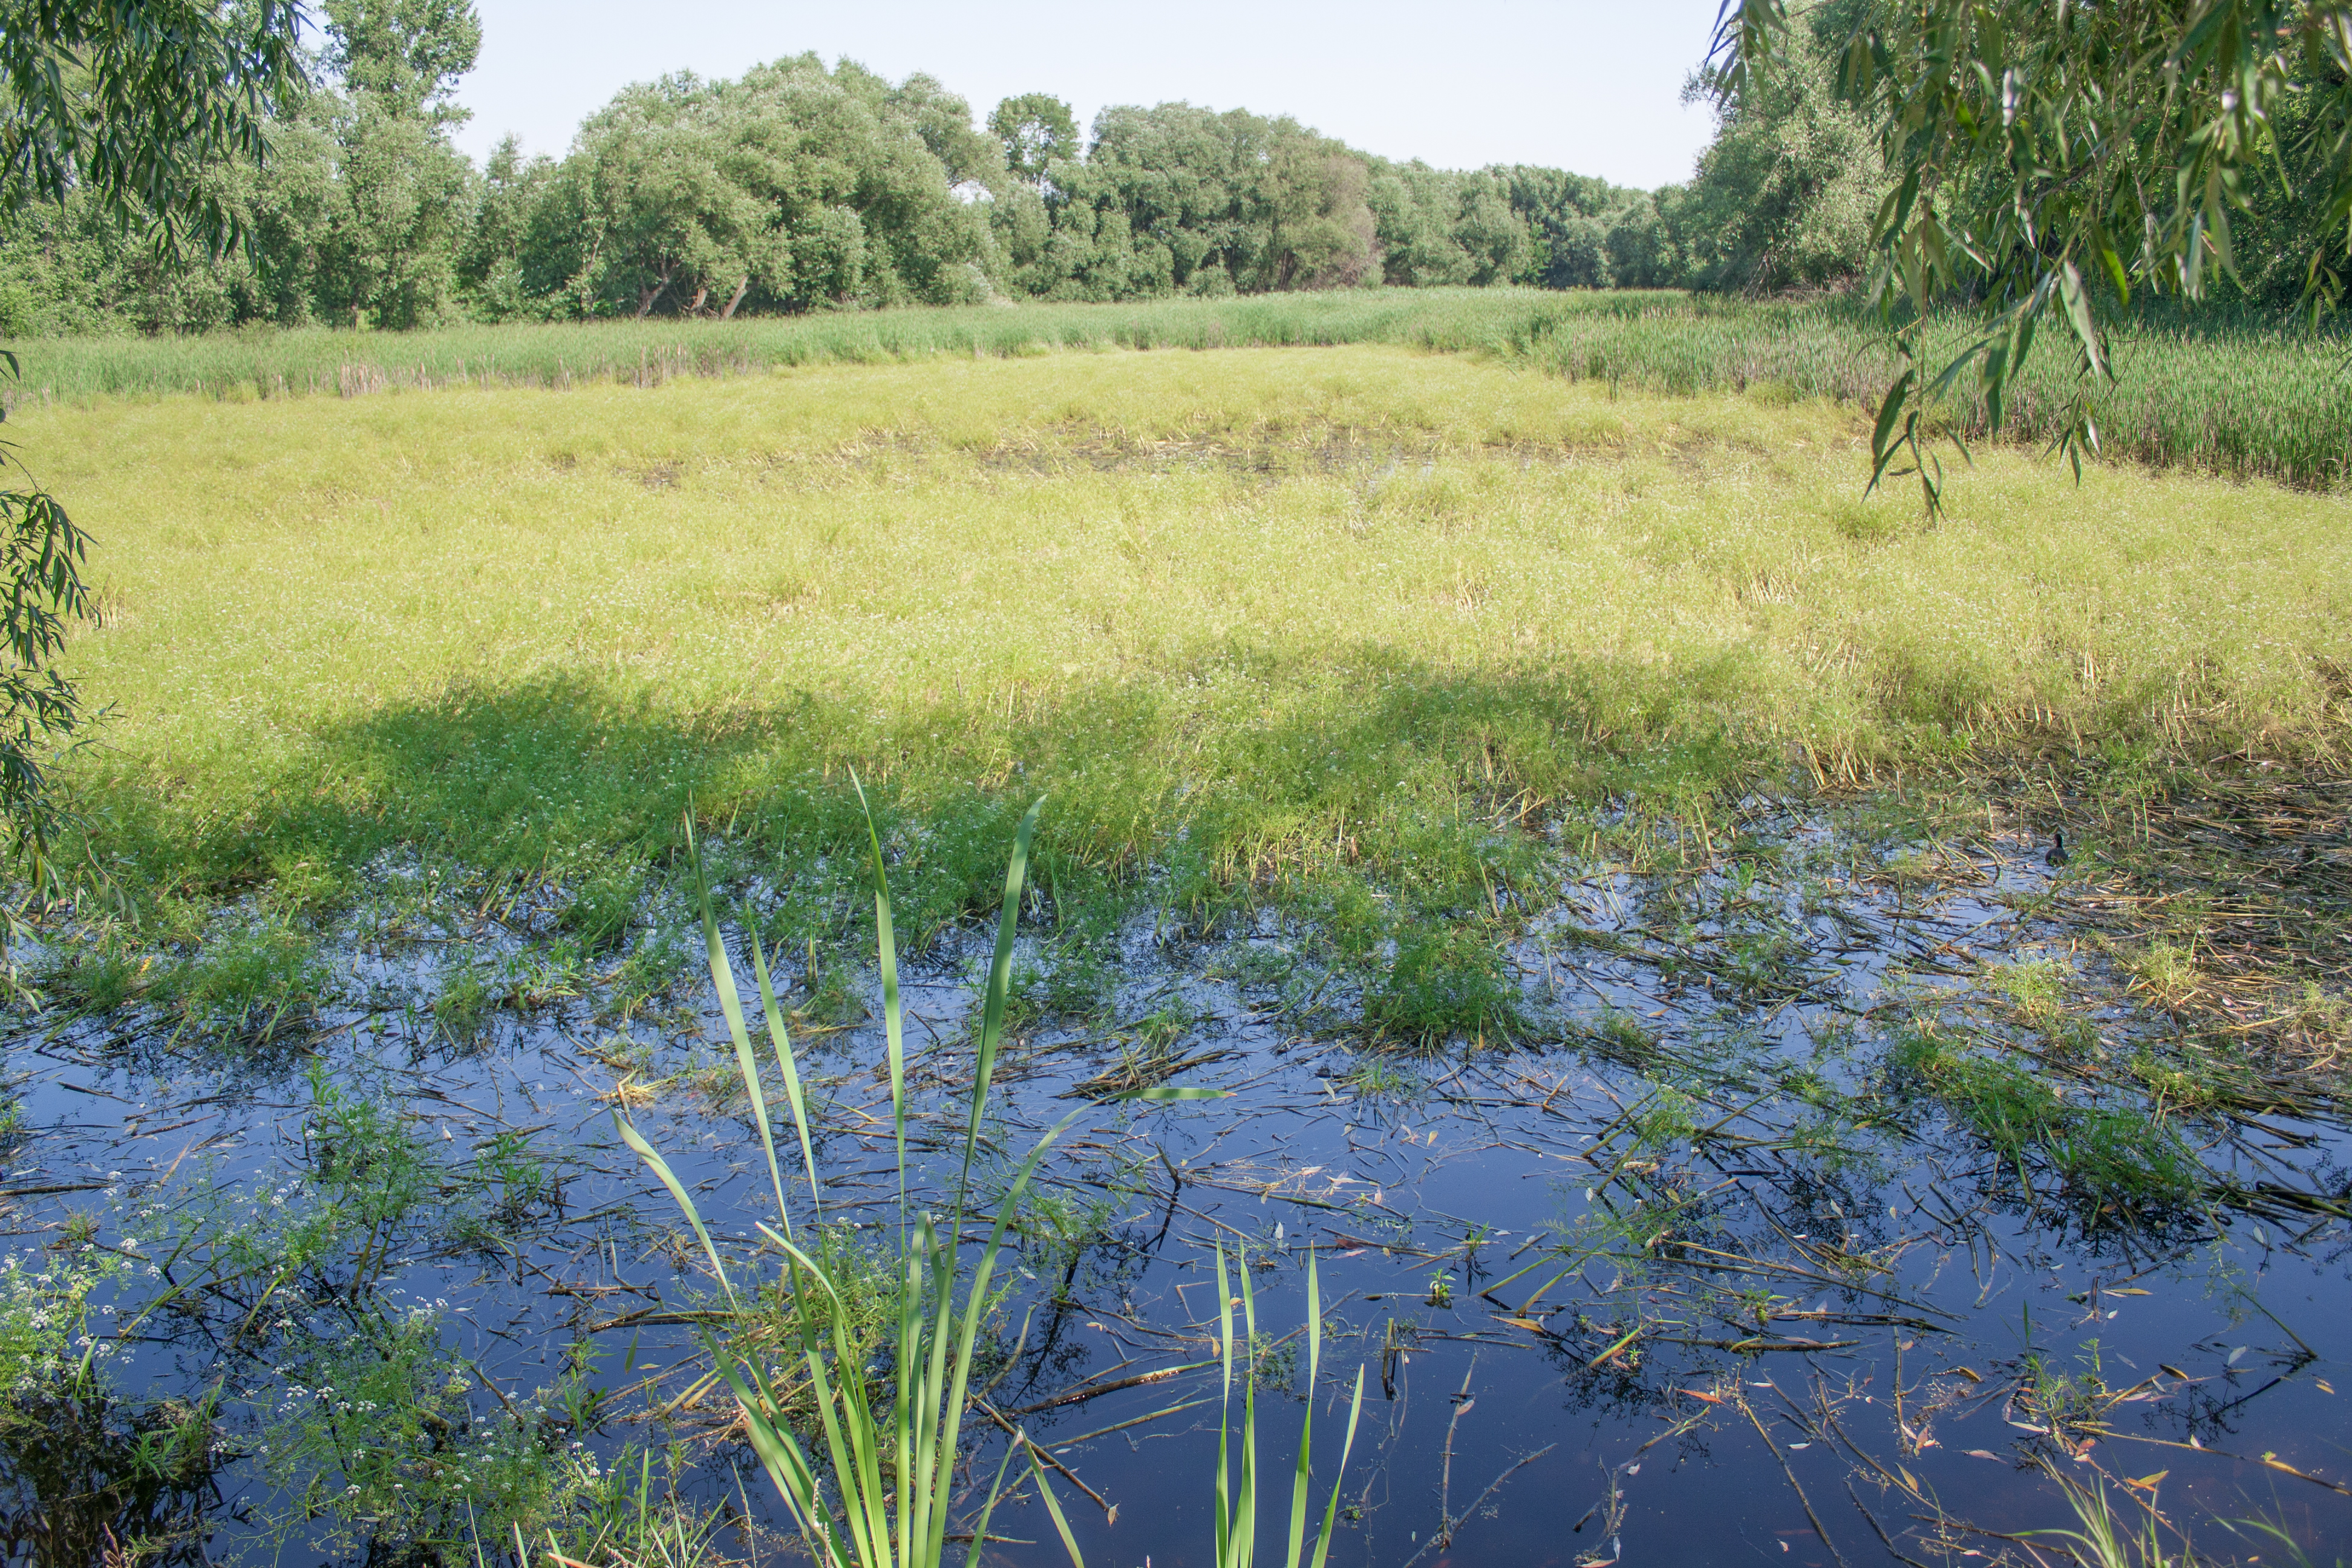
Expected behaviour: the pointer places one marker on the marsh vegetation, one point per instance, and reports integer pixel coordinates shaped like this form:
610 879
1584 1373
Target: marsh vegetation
1602 855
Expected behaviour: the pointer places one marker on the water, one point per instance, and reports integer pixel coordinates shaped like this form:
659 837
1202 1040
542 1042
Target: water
1711 1264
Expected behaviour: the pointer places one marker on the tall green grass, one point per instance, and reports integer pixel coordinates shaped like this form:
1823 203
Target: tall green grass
893 1477
268 362
2226 392
2230 393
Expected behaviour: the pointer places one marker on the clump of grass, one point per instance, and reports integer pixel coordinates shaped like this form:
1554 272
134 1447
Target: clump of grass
2098 1160
1376 1075
376 1439
620 1517
462 1003
653 968
2167 970
249 985
602 907
101 973
2037 987
1444 984
893 1475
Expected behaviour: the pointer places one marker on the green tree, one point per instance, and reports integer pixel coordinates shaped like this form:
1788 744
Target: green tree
792 187
1785 194
126 102
1035 130
399 191
2055 161
407 54
490 259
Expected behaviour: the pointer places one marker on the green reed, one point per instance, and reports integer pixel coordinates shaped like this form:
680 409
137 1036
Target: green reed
2229 390
893 1474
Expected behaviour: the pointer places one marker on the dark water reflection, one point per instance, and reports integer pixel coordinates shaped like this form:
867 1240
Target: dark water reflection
1698 1276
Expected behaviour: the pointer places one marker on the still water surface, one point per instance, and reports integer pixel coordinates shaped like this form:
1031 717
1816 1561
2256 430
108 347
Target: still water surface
1655 1286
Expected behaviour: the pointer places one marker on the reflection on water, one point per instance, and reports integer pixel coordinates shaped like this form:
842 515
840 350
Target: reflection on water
87 1477
1842 1200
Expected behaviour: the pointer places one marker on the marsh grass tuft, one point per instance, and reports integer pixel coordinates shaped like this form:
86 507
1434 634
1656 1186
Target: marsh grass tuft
891 1431
2097 1160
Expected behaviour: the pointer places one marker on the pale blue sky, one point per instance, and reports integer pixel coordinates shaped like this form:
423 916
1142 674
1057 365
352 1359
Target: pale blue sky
1583 85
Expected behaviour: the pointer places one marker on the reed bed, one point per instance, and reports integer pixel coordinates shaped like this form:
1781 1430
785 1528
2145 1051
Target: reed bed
2228 392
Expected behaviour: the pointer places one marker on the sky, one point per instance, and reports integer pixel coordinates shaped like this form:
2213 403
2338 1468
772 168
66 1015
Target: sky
1591 86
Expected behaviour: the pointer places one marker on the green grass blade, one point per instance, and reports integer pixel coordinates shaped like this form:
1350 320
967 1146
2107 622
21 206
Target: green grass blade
1225 1411
988 1508
893 1025
844 1412
1307 1428
975 1302
918 1374
661 1168
866 1501
1000 986
1245 1496
780 1455
1052 1504
1331 1508
788 1064
722 976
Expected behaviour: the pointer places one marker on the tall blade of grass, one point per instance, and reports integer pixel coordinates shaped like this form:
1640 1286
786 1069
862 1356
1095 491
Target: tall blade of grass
1331 1508
1245 1502
1000 986
893 1028
780 1455
1307 1428
660 1167
788 1064
995 1491
1053 1503
921 1347
1225 1558
976 1300
864 1497
722 976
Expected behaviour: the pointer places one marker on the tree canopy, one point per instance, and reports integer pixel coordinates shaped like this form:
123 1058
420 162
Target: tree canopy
803 186
124 101
2045 158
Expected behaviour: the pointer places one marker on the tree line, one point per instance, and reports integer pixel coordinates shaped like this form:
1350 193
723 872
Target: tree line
797 187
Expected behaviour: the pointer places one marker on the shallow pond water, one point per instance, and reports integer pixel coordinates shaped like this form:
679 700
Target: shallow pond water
1836 1204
